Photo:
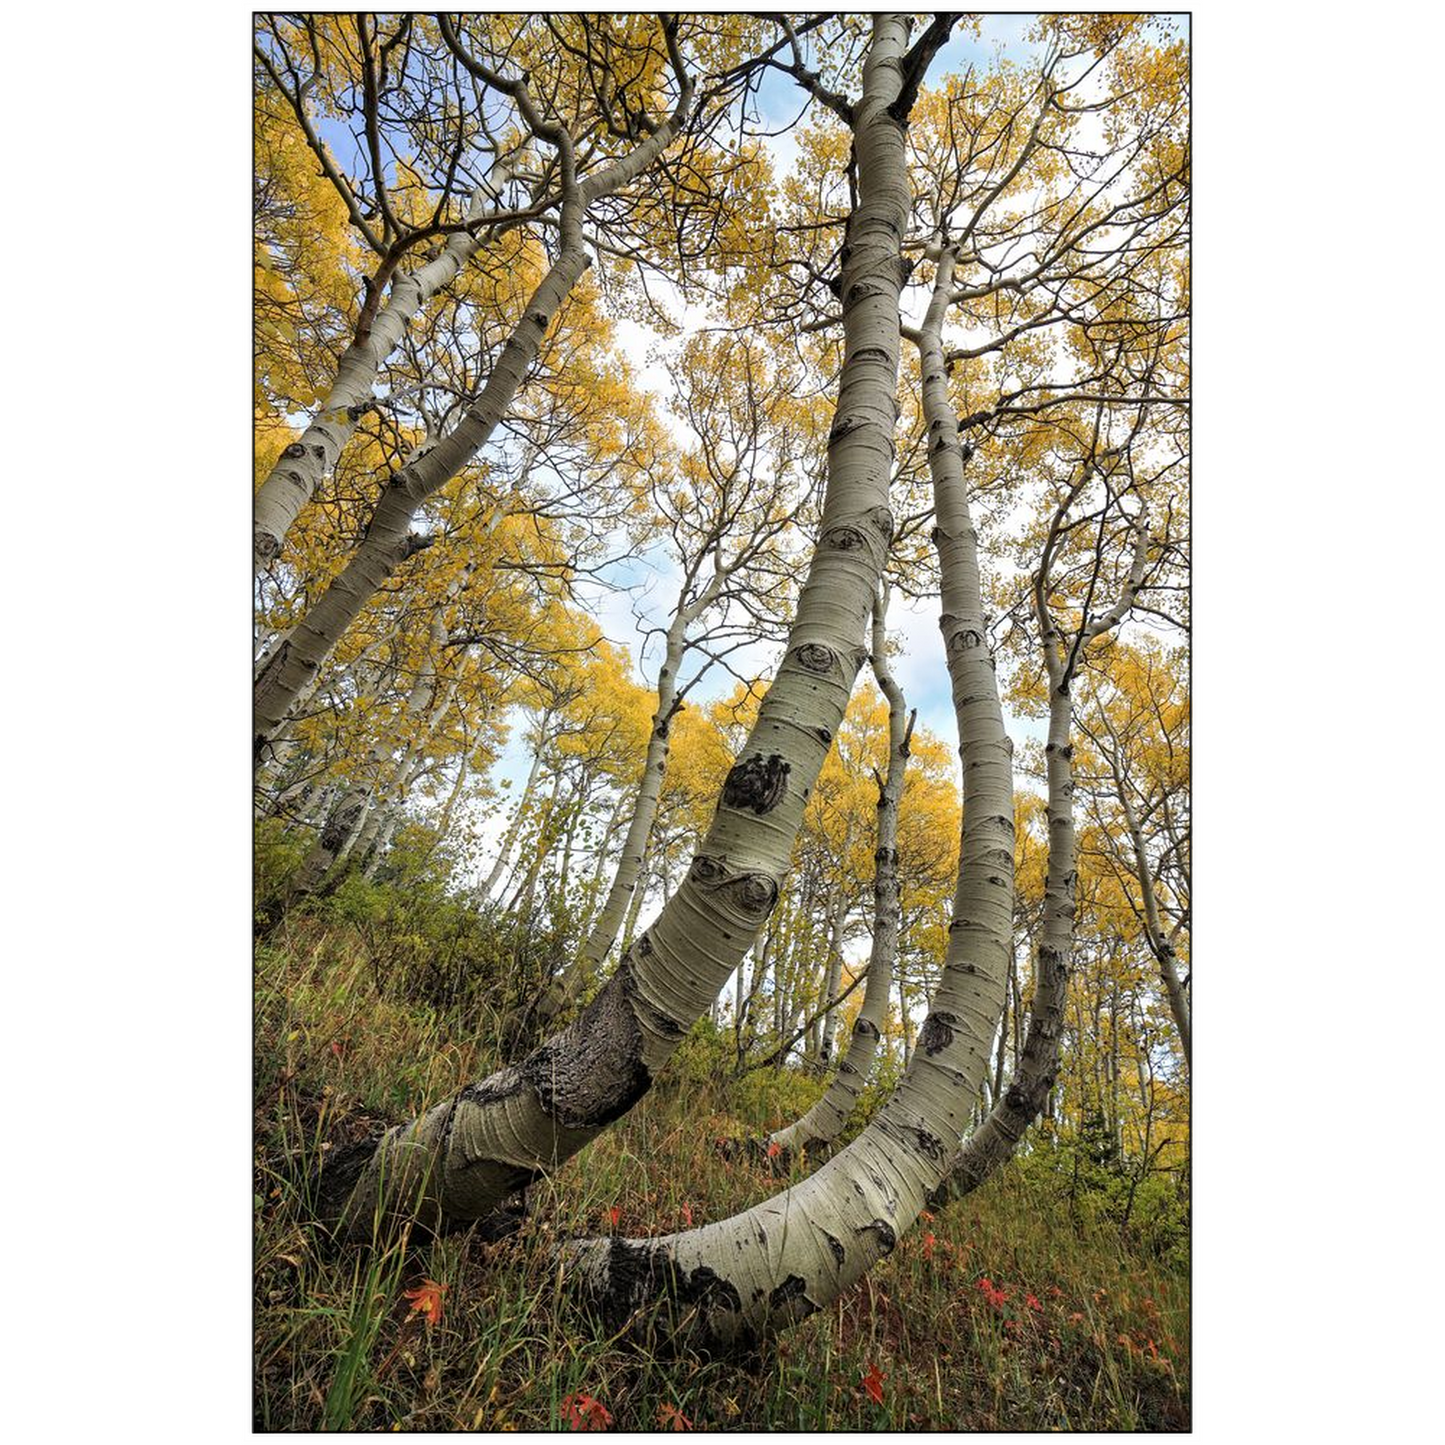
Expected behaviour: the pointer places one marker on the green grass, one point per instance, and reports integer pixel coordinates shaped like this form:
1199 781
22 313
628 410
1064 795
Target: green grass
1082 1329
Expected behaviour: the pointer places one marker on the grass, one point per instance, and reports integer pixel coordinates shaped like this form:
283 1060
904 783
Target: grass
1008 1311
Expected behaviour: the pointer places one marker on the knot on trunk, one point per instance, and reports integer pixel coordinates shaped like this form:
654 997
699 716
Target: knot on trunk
936 1033
750 894
887 1236
759 783
843 539
881 520
815 657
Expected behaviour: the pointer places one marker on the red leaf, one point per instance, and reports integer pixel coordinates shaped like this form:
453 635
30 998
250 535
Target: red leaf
669 1417
873 1384
582 1412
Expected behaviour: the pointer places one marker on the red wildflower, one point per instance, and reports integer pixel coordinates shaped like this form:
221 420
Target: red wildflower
582 1412
928 1243
774 1149
426 1300
1032 1302
872 1384
615 1215
687 1215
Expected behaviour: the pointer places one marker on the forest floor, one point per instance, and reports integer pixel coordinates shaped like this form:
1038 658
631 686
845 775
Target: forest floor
1010 1310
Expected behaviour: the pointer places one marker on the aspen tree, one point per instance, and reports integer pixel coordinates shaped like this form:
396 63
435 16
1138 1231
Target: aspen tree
822 1124
462 1158
995 1140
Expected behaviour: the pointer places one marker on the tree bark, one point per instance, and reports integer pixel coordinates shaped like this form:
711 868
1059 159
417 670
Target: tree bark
332 844
304 464
825 1120
797 1252
459 1160
995 1140
389 541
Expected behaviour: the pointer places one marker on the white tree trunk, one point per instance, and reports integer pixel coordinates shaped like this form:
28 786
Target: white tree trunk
996 1138
644 812
389 542
332 844
463 1157
304 464
795 1253
825 1120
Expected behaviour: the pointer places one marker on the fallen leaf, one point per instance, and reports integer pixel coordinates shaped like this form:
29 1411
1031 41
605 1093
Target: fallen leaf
873 1384
582 1412
669 1417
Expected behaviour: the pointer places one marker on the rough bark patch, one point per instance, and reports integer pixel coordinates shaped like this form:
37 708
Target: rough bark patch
592 1072
502 1085
759 783
936 1033
640 1276
790 1301
887 1235
503 1222
339 1174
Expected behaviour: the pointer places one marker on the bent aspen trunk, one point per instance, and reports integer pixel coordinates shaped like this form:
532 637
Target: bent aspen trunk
773 1265
998 1136
458 1161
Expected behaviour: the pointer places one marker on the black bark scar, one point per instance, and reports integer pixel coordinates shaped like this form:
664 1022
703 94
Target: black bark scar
759 783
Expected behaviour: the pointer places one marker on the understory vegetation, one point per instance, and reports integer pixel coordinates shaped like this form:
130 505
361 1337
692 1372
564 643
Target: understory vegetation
1056 1297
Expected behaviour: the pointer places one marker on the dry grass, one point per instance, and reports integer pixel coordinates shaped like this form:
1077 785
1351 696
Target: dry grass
1076 1329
